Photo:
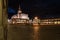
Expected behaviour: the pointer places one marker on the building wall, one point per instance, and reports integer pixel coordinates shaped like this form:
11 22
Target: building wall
3 19
1 27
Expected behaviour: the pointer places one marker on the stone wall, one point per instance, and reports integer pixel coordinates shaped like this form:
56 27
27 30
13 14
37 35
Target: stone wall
3 18
1 27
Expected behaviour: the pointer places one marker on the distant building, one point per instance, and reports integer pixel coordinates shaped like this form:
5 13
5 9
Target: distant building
36 21
23 18
20 17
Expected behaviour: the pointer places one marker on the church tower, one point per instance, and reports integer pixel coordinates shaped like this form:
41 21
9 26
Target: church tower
19 12
20 17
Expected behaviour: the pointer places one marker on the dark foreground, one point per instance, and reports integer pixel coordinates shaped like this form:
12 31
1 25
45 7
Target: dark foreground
27 32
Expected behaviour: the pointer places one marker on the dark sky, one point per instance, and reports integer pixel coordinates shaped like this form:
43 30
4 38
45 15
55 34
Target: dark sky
40 8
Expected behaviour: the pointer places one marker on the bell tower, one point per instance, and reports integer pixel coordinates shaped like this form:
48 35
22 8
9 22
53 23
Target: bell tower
19 11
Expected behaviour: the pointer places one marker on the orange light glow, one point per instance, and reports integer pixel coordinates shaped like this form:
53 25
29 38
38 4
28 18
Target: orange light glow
36 17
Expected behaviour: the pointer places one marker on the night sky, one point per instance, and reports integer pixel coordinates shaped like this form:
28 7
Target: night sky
40 8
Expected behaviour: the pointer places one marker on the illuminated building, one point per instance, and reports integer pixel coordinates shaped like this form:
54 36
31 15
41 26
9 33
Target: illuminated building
36 21
20 17
23 18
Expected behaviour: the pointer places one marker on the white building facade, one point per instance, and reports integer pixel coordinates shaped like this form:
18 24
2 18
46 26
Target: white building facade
20 17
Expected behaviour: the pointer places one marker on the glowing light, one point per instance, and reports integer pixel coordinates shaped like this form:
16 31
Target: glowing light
36 17
13 22
58 22
24 16
9 21
19 11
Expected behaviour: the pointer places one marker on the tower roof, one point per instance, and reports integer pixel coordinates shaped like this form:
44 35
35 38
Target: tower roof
19 7
19 10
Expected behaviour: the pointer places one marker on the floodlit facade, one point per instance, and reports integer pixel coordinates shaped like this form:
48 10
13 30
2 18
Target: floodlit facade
36 21
23 18
20 17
